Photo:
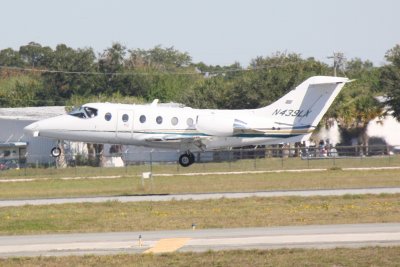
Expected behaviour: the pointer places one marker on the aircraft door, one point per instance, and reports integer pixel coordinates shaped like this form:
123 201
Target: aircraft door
124 125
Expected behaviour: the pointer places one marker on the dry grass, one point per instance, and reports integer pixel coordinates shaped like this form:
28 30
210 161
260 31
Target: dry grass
223 213
371 256
198 184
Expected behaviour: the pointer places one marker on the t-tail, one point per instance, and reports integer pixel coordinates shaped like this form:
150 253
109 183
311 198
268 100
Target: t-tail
302 108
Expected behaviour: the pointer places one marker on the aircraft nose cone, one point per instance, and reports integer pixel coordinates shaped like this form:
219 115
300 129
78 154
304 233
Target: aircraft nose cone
32 129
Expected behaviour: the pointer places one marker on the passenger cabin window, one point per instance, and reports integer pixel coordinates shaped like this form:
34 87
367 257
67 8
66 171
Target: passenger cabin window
159 119
84 112
189 122
125 117
142 119
108 116
174 121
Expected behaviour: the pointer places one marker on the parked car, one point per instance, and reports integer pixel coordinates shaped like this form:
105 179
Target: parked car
9 164
3 166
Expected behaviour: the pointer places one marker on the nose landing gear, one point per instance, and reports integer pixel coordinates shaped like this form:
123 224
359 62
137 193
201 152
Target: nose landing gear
186 159
55 152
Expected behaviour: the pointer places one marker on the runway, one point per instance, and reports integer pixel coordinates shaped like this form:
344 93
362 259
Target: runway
313 236
20 180
202 196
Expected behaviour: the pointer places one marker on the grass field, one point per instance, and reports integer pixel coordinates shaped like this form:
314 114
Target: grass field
131 185
371 256
222 213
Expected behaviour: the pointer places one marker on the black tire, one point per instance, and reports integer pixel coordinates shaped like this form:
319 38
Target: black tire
185 160
55 152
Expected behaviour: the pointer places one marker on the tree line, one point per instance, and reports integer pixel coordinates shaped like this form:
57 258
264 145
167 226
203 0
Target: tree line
37 75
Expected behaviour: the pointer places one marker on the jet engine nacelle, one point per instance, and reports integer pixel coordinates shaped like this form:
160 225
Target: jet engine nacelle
215 125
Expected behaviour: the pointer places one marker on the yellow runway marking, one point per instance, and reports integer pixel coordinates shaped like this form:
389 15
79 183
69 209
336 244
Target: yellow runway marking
168 245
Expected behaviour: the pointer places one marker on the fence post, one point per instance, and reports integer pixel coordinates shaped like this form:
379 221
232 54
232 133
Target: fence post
255 158
177 162
151 161
76 167
230 159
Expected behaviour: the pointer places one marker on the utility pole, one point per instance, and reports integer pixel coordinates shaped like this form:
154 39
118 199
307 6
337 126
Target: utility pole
338 62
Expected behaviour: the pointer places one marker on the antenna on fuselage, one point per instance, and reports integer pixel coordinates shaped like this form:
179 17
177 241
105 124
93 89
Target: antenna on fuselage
154 103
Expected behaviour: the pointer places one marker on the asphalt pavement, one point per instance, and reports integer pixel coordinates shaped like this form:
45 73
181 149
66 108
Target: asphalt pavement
201 196
313 236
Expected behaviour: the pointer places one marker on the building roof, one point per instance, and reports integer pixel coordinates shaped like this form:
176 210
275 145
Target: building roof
13 144
31 113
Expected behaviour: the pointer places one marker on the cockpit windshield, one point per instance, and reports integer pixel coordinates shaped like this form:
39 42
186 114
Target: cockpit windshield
84 112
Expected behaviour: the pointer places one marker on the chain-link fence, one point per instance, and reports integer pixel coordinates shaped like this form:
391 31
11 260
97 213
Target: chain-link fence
232 160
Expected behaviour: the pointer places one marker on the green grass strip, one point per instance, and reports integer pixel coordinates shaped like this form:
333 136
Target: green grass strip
55 187
223 213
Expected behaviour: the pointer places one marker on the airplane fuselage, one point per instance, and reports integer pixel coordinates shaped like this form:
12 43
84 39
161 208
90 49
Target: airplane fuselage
162 126
292 118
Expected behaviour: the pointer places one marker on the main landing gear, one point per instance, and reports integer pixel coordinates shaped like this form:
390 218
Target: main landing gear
186 159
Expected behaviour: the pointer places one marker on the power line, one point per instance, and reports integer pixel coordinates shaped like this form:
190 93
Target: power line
132 73
37 100
89 72
197 72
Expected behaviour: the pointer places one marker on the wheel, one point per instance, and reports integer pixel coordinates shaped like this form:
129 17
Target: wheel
185 160
56 152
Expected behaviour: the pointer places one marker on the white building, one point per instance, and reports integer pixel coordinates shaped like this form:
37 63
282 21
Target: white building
380 131
14 144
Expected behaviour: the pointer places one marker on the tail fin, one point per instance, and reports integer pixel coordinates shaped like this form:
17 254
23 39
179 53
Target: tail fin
307 103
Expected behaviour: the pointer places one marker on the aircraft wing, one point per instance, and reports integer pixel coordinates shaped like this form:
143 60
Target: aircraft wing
180 138
173 138
241 127
237 131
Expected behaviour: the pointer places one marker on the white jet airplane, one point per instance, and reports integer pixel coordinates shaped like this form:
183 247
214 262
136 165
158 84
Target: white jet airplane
290 119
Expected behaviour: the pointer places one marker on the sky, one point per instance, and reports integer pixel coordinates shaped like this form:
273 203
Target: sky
216 32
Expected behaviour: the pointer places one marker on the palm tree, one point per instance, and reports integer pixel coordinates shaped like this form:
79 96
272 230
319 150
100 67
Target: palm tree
354 116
